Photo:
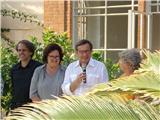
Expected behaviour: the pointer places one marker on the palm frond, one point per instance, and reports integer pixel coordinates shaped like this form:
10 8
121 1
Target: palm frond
146 84
90 108
103 90
145 81
152 62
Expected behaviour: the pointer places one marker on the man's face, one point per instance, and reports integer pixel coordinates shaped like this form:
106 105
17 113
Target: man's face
23 52
84 53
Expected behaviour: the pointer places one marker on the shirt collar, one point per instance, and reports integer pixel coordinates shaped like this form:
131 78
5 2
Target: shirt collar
28 65
91 63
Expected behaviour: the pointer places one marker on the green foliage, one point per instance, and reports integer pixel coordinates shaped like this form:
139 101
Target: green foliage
39 49
5 29
97 55
84 108
4 37
112 68
21 16
152 63
7 61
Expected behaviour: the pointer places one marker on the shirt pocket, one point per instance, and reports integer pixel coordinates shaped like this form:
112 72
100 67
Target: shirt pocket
92 79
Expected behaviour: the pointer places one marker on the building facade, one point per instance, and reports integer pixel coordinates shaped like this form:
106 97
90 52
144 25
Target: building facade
111 26
18 29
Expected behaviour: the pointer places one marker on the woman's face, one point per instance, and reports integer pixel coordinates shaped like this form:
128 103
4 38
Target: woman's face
53 58
126 67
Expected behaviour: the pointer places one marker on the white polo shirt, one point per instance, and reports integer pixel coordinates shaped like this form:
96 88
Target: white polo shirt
96 73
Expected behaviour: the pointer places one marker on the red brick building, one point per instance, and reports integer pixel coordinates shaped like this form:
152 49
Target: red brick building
112 26
58 15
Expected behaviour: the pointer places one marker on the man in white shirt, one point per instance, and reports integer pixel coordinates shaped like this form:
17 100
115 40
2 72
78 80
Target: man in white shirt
83 74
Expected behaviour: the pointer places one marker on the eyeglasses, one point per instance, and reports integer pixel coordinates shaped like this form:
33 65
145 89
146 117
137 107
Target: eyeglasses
84 51
54 57
22 50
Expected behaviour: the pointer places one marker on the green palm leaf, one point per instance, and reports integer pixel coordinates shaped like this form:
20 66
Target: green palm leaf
152 62
89 108
146 84
146 80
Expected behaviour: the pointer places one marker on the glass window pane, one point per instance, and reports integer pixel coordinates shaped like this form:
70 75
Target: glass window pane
156 32
117 30
95 31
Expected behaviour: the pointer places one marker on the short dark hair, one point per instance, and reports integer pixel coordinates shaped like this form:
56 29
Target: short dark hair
82 42
51 47
28 44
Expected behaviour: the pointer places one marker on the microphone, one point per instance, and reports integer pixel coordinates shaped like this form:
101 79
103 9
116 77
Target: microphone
84 71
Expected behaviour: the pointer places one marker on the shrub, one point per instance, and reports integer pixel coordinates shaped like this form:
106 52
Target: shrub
7 61
112 68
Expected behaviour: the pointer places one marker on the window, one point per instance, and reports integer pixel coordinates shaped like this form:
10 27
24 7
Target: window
111 26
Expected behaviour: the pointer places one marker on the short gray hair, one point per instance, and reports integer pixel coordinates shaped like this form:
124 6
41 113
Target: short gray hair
131 56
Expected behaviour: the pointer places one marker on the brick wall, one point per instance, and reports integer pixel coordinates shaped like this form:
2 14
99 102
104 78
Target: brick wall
58 15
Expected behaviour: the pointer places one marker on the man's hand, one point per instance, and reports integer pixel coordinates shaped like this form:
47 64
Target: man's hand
75 84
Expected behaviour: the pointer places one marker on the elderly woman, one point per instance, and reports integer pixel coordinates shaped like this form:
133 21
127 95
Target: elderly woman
47 79
129 60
